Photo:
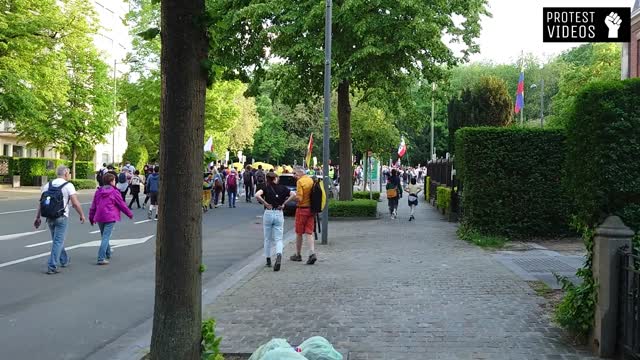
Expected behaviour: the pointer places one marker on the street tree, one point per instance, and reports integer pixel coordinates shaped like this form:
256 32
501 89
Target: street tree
376 45
86 115
177 315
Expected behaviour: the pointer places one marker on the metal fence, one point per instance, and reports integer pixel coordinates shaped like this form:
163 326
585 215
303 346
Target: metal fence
629 313
442 173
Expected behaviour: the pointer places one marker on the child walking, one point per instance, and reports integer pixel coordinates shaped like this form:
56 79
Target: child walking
413 189
136 182
105 210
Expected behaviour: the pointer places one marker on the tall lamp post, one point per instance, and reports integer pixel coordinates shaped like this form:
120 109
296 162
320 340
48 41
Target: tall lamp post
533 86
433 106
327 114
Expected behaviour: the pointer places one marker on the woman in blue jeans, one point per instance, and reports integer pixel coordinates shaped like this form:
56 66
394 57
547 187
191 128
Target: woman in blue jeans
105 210
274 196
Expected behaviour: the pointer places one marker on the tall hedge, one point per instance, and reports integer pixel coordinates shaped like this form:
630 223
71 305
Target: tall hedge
512 180
603 160
30 168
137 154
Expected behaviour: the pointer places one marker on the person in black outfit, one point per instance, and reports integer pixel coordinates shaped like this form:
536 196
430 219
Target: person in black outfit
248 181
273 196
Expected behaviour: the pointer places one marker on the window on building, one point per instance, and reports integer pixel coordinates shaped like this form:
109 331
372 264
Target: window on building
5 150
18 151
105 158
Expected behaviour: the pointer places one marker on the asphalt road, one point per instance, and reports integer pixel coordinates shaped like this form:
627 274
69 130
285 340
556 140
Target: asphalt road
72 314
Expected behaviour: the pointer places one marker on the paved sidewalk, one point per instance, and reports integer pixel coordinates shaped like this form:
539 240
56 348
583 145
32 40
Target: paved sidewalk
393 290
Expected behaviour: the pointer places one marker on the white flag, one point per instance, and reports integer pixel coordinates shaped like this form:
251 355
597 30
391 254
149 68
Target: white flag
209 145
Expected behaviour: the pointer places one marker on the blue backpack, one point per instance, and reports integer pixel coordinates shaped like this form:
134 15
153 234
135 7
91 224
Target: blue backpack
52 202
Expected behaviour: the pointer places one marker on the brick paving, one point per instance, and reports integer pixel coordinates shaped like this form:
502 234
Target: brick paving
390 289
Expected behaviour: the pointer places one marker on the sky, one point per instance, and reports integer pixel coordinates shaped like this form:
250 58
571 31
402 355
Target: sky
516 26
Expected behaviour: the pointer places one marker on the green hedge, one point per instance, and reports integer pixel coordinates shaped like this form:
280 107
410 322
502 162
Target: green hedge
84 184
512 180
427 188
84 169
30 168
355 208
603 160
137 154
365 195
443 198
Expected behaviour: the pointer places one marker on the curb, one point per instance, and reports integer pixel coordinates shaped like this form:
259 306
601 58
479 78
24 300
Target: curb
134 344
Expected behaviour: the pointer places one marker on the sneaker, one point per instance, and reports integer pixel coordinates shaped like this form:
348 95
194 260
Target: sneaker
312 259
268 262
149 214
276 266
103 262
156 219
66 264
52 271
296 257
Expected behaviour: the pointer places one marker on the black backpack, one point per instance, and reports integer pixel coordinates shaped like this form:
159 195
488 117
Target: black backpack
52 202
316 197
260 177
122 178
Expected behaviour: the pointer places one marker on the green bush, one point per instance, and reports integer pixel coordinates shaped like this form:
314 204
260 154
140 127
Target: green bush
84 184
603 164
512 180
355 208
84 169
365 195
30 168
137 154
443 198
427 188
210 342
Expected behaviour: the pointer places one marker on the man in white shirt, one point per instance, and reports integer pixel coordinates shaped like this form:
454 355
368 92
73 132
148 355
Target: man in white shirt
58 226
128 167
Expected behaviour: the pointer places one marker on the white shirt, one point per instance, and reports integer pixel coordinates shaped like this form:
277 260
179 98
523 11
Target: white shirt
67 191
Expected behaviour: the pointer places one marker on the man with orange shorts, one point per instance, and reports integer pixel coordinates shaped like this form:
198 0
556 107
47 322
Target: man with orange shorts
305 219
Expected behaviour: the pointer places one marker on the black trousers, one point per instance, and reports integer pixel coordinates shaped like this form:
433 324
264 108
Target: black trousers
134 197
248 190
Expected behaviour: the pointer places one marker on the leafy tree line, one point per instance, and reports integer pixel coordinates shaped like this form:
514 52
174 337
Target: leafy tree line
55 86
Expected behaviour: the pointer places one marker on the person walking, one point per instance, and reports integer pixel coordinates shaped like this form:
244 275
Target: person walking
135 184
305 219
105 211
153 182
217 187
123 184
413 190
232 187
248 180
223 175
260 178
273 196
207 187
54 206
394 193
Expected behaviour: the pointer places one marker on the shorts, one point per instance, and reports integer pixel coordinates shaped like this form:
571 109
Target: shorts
153 196
305 221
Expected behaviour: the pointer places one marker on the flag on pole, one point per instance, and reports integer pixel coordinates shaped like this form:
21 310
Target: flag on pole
520 92
309 149
402 149
208 146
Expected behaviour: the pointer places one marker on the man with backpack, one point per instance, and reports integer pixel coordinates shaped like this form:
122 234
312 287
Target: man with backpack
305 218
54 206
261 178
248 180
153 182
123 184
232 187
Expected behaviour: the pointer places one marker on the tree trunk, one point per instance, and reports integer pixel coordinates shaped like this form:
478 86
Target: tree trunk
344 126
177 313
73 160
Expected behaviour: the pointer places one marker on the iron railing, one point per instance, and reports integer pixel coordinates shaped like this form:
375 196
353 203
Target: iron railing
629 313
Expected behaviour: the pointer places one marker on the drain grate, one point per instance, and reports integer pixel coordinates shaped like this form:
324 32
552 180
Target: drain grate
542 265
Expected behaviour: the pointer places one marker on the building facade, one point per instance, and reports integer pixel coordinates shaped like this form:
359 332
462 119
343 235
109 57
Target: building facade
631 50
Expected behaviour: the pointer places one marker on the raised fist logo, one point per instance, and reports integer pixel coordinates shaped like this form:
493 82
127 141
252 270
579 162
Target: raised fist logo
613 22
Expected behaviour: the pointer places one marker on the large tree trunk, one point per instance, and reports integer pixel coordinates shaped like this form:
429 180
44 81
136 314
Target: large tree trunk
73 160
177 313
344 126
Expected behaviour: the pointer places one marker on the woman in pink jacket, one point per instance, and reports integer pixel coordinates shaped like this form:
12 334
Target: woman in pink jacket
105 210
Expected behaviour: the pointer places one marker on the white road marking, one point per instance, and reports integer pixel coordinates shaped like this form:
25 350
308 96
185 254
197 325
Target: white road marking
141 222
27 210
38 244
94 232
114 243
19 235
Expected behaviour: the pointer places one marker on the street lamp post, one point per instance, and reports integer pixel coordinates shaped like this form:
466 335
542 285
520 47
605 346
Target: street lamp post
433 106
541 100
327 114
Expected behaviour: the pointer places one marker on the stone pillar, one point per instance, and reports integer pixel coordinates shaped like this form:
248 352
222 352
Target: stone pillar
610 237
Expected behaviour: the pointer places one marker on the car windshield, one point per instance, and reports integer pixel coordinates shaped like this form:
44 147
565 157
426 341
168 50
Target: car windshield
288 181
